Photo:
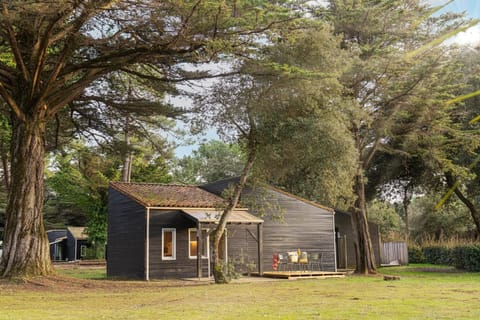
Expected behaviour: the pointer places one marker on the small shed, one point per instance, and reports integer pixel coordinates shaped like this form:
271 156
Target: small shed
68 244
77 243
57 239
157 231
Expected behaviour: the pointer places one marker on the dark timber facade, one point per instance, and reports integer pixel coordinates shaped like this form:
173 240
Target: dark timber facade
68 244
345 240
153 232
303 224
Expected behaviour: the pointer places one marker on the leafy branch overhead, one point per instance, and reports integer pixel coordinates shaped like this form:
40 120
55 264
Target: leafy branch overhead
54 50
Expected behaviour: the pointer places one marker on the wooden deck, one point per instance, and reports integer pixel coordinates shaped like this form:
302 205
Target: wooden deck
301 274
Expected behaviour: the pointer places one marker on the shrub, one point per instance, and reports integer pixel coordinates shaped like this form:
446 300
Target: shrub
472 258
415 254
438 255
463 256
459 257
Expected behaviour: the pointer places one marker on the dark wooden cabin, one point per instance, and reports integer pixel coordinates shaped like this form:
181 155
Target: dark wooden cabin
152 231
77 243
57 239
305 225
345 240
68 244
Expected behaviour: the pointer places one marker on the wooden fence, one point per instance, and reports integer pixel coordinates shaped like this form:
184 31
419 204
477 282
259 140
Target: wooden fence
394 253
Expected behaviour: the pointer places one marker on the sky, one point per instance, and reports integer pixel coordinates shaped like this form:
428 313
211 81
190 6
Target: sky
471 8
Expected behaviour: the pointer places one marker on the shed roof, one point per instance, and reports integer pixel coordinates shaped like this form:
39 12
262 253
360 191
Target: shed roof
78 233
172 196
213 216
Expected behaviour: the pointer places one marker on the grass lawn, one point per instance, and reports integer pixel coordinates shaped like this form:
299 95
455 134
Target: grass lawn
424 292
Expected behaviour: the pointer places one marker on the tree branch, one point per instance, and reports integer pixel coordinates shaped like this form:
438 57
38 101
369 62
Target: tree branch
14 44
11 103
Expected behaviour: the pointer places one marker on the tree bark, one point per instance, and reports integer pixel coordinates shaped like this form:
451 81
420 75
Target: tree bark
363 245
407 198
471 207
26 248
218 271
127 157
6 170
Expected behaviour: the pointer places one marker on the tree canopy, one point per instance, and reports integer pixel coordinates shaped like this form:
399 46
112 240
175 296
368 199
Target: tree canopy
56 55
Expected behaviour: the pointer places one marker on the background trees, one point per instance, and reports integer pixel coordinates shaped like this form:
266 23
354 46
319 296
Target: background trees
62 52
315 103
212 161
384 85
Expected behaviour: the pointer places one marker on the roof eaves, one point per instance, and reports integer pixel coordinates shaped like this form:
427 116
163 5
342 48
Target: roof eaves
117 187
331 210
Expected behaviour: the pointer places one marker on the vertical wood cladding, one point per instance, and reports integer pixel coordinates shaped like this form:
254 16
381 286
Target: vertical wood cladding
182 266
304 226
126 237
242 247
343 225
240 244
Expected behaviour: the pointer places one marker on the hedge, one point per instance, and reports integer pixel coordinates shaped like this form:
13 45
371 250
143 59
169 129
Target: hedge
464 257
415 254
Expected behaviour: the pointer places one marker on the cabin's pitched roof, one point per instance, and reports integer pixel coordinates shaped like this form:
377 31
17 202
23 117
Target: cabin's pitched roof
170 196
78 233
56 235
219 186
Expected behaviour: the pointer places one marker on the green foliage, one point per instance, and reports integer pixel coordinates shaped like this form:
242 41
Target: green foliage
79 185
225 272
154 170
307 148
385 216
471 256
461 255
438 255
451 220
415 254
213 161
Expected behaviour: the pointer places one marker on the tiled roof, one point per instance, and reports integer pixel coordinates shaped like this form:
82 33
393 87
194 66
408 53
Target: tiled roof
167 195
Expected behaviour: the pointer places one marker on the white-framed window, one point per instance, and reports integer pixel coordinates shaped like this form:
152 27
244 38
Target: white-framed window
169 243
192 243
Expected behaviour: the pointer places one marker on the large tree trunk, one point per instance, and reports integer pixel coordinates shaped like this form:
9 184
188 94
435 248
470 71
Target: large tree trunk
26 248
363 244
218 268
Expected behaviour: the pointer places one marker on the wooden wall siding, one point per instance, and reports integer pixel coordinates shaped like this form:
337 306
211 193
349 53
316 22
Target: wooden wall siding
242 247
305 227
343 224
126 237
395 252
182 266
71 252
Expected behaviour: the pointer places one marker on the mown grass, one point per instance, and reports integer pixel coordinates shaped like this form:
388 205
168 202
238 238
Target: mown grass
424 292
84 273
